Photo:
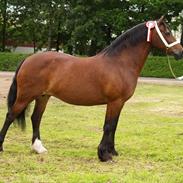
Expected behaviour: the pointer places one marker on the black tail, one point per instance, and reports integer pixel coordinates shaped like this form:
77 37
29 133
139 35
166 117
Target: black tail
12 95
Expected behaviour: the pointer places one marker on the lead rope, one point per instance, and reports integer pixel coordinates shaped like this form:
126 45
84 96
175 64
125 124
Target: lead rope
170 67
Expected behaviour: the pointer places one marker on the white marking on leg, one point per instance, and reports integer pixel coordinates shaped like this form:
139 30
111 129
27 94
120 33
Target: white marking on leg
38 147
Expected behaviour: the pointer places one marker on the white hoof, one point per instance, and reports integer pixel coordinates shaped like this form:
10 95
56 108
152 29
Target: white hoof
38 147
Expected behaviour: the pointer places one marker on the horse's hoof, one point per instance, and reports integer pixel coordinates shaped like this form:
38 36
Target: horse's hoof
38 147
103 154
114 152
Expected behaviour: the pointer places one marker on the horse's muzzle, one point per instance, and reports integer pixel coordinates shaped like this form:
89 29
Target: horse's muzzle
178 55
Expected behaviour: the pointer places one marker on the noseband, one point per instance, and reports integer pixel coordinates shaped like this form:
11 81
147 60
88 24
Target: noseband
153 24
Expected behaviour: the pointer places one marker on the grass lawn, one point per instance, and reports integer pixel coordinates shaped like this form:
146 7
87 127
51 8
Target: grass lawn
148 140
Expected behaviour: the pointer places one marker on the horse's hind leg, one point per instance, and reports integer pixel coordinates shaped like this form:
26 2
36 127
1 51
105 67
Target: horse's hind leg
106 148
17 108
39 109
8 120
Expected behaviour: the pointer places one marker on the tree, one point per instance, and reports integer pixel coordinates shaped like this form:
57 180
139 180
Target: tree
4 22
23 22
93 24
181 19
181 36
78 26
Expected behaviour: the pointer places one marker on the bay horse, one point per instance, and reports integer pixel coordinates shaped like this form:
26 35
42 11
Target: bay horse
110 77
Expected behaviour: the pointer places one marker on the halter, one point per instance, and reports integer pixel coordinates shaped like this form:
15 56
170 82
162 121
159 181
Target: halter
153 24
150 25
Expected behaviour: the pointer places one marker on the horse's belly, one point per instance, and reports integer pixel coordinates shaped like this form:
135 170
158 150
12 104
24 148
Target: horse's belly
79 100
81 97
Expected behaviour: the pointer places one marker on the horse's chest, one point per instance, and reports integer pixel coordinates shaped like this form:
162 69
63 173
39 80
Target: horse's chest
128 89
123 90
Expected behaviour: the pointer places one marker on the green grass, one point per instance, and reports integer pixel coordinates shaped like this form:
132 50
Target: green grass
148 140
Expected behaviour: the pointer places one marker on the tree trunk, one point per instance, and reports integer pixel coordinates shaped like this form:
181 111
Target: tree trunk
92 49
58 37
33 5
34 41
181 40
50 27
4 25
49 36
108 33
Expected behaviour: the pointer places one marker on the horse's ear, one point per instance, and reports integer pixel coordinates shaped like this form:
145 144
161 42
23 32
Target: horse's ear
161 19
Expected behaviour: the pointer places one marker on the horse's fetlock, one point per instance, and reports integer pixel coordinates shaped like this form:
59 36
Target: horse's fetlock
1 139
1 146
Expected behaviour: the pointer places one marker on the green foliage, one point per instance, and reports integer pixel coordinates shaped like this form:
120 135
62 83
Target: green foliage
9 61
158 67
79 26
147 138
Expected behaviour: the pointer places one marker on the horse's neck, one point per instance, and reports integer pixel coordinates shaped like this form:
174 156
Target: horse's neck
134 57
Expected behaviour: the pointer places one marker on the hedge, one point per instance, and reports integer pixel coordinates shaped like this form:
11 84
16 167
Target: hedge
158 67
154 66
10 61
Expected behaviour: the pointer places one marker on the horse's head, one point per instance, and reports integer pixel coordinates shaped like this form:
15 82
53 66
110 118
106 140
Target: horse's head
162 38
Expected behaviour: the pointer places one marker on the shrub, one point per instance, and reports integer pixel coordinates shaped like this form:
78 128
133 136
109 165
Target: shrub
155 66
158 67
10 61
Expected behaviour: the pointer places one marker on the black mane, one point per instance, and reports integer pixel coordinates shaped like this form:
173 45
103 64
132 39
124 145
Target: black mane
131 37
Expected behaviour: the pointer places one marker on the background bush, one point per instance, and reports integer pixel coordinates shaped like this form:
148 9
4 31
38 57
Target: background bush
155 66
10 61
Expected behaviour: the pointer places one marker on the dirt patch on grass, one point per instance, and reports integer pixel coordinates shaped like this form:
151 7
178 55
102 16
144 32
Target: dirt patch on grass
5 82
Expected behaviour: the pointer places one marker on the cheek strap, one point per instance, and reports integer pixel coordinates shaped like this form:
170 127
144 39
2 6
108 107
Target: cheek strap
163 39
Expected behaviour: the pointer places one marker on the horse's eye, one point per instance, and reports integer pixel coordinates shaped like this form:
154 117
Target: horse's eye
167 33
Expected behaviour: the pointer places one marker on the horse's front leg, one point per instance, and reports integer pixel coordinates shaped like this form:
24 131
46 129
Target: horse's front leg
106 147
